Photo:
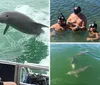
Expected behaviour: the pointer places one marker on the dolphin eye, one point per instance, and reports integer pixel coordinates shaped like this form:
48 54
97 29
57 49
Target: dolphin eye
6 15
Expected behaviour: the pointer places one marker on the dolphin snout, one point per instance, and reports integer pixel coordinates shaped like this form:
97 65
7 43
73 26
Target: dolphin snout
3 19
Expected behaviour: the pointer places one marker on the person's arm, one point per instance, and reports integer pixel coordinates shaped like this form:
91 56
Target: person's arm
70 23
84 23
53 26
52 30
69 19
9 83
93 39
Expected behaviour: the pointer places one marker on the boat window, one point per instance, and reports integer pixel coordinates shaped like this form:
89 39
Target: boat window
7 72
34 76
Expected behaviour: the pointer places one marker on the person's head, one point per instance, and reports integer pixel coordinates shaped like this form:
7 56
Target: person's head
77 10
61 20
92 27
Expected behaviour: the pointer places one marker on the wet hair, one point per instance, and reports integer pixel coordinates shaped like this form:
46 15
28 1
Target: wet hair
61 17
77 10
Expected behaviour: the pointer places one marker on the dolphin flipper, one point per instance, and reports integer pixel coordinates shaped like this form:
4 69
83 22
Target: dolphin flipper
7 26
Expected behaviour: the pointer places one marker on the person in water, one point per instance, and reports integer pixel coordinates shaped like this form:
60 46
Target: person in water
77 21
59 26
93 33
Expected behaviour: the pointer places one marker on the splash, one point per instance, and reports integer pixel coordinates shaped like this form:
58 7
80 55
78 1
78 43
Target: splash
45 61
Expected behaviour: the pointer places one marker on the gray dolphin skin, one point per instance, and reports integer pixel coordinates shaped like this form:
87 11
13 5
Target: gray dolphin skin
21 22
76 72
75 59
82 52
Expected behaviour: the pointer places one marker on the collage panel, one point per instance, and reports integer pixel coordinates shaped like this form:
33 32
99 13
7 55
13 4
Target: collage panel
75 64
74 20
24 42
29 50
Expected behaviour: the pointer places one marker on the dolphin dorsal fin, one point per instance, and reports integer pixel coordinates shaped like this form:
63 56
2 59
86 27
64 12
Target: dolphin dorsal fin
7 26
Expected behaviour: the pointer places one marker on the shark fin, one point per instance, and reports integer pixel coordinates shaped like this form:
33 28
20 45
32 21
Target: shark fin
7 26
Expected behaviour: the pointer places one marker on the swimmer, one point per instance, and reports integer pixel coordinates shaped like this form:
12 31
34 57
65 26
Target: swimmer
59 26
93 33
77 21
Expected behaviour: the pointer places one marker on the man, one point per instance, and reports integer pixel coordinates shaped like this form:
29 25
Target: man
59 26
77 21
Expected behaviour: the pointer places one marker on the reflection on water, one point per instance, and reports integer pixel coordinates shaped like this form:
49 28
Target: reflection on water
86 55
90 8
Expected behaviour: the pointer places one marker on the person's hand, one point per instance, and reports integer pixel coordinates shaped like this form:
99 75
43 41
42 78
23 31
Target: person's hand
89 39
74 29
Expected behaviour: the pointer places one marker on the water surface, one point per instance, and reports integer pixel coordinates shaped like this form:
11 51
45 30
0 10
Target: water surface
90 8
86 54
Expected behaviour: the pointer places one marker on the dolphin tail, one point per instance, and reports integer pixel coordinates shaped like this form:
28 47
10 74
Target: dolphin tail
44 25
7 26
39 26
83 69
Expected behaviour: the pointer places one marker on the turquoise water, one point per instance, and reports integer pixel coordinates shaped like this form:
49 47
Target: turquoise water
90 8
86 54
17 46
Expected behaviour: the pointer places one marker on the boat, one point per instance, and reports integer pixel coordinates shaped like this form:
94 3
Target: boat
24 74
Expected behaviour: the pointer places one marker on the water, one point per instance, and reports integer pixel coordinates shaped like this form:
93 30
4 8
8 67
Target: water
90 8
86 54
17 46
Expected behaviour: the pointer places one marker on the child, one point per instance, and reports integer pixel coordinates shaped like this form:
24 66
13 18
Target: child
93 33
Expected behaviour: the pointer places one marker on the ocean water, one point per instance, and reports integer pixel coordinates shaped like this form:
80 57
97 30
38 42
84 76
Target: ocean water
90 8
17 46
86 55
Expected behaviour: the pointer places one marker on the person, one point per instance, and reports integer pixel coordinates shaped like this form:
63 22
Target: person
59 26
7 83
77 21
93 33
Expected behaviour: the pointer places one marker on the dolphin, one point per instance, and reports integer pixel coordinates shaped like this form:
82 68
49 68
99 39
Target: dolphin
75 58
82 52
21 22
76 72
